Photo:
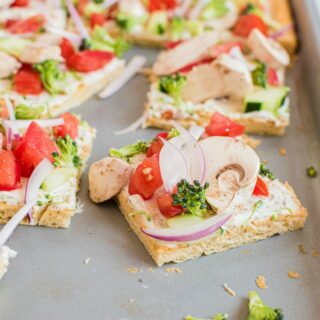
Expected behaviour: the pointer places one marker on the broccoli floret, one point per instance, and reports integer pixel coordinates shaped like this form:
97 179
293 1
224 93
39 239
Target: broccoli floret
177 28
52 78
23 112
101 40
264 171
69 155
249 8
259 75
258 310
131 150
173 133
192 197
172 85
215 9
312 172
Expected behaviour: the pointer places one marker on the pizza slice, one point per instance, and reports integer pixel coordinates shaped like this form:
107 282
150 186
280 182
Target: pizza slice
164 22
215 72
186 196
67 143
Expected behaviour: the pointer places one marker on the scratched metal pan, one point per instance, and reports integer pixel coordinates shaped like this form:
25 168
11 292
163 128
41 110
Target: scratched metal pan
49 279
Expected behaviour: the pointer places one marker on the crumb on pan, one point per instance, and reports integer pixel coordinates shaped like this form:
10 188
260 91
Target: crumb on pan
150 269
293 275
301 249
282 151
131 300
245 251
133 270
86 261
229 290
261 282
173 270
315 252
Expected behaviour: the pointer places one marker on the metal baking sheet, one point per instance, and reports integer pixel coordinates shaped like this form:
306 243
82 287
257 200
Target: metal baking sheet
49 279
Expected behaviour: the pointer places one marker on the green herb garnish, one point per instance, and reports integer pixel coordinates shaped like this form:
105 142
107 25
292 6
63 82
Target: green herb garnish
312 172
264 171
192 197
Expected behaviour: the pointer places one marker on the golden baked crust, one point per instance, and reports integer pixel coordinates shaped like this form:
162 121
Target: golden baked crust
234 237
252 124
51 215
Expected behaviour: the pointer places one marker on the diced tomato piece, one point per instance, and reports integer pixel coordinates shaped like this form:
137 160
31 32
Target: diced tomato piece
81 6
190 66
97 19
32 24
146 179
70 126
27 81
34 146
155 5
20 3
9 171
273 78
219 49
89 60
157 144
247 23
166 207
172 44
67 49
261 188
221 125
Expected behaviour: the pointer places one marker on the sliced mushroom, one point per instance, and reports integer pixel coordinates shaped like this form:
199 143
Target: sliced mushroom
224 77
232 170
184 54
37 53
267 50
107 177
8 66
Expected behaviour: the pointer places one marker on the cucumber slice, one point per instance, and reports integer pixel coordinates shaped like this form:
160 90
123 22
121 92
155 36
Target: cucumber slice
58 177
270 99
158 22
183 221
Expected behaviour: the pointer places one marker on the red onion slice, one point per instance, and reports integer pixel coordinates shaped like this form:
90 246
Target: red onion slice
77 20
8 229
279 33
24 124
74 38
198 231
192 152
10 108
38 175
173 165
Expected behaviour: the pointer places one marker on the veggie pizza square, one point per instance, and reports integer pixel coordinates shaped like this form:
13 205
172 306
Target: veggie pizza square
192 193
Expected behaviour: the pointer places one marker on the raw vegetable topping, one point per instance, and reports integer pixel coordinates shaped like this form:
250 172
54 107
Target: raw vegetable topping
130 150
172 85
312 172
258 310
264 171
191 197
68 155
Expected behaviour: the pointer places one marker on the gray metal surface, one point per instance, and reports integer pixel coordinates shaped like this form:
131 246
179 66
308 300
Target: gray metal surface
49 279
